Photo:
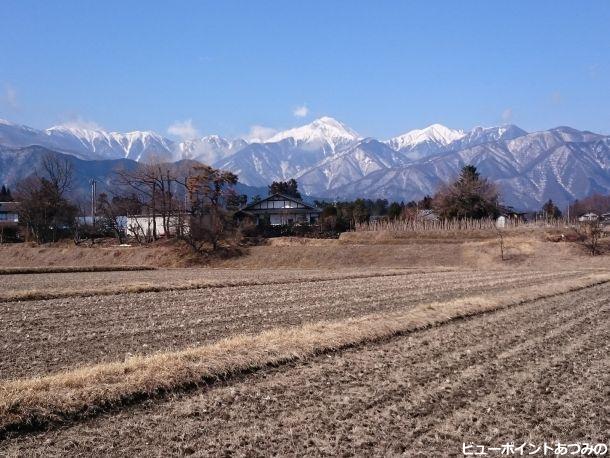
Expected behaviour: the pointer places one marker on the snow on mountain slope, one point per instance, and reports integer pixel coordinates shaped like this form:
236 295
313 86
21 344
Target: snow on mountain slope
480 135
353 163
328 159
290 153
326 133
89 144
16 136
559 164
259 164
420 143
210 149
98 144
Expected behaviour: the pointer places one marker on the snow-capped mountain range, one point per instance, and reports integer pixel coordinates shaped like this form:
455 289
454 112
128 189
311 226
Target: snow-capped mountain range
330 160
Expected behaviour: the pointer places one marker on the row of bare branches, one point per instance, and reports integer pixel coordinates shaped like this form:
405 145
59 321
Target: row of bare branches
148 201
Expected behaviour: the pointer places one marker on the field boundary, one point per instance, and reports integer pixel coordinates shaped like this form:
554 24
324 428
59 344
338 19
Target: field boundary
138 288
69 269
31 404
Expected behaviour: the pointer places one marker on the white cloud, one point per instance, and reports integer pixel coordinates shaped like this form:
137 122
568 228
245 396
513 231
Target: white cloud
259 134
185 130
10 97
556 97
80 123
301 112
507 115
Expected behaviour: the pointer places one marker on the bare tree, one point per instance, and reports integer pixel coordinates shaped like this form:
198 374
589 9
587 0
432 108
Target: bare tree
209 190
110 212
59 171
153 184
44 208
590 233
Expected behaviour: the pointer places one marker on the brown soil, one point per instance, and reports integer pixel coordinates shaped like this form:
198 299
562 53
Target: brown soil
39 337
58 285
531 373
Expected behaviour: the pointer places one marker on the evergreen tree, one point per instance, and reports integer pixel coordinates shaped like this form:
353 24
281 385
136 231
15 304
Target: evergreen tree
5 194
288 188
550 210
394 210
470 196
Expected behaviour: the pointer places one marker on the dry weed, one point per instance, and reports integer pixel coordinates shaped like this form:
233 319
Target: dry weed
69 269
88 390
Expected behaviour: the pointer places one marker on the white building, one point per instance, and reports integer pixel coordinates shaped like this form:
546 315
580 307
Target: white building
589 217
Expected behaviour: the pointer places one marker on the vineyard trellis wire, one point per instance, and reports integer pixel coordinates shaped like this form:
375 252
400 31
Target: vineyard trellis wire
452 225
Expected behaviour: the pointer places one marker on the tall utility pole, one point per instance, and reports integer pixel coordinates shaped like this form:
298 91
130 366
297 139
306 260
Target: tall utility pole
93 186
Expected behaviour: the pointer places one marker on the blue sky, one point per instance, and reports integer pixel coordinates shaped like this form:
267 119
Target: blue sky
381 67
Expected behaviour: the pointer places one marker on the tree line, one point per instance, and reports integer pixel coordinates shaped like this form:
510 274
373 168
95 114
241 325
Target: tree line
192 202
195 202
470 196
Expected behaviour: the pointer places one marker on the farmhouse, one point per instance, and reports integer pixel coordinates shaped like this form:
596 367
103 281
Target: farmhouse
279 209
589 217
9 214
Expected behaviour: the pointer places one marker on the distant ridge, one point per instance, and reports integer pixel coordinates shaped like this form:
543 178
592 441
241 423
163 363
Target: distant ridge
331 160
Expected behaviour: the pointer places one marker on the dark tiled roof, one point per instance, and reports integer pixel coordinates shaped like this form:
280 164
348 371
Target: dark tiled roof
283 196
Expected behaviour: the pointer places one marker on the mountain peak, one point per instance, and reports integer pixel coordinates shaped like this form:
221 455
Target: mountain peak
329 121
435 134
322 130
76 129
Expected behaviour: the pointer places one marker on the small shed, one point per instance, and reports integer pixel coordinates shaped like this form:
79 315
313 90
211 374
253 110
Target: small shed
279 209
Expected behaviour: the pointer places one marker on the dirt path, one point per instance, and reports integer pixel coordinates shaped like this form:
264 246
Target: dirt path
39 337
534 372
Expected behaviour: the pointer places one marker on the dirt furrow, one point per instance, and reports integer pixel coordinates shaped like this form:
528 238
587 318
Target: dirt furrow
47 336
543 377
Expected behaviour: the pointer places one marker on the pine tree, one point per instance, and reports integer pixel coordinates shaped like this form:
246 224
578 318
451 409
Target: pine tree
550 210
470 196
287 188
5 194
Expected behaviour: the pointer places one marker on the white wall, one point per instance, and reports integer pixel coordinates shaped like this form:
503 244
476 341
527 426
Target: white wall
143 225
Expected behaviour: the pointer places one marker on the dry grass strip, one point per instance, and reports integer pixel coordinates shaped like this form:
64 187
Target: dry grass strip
134 288
52 399
69 269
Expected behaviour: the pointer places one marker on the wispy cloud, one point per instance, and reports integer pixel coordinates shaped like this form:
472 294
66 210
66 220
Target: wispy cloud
80 123
301 112
507 115
259 134
185 130
10 97
556 97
